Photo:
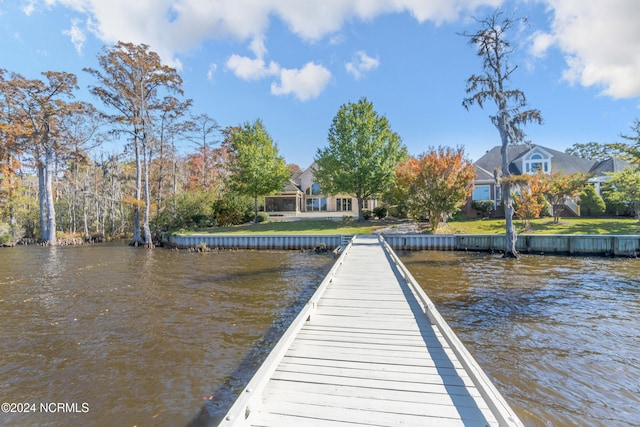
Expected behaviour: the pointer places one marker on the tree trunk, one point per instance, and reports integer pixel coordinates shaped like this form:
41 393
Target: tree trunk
360 201
148 239
42 203
511 236
255 208
50 207
137 239
84 217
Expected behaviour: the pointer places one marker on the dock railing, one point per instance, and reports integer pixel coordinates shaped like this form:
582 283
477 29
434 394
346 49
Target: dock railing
250 398
496 402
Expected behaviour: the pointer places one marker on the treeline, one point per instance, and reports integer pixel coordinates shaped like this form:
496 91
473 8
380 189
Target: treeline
57 177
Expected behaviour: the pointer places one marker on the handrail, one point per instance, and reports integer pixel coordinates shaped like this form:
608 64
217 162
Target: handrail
250 398
496 402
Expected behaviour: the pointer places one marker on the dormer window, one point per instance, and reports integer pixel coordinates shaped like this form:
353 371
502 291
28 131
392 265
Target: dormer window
537 163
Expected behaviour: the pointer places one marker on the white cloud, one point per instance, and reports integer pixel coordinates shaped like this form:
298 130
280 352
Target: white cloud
540 43
600 40
360 64
76 35
29 8
305 83
211 71
171 27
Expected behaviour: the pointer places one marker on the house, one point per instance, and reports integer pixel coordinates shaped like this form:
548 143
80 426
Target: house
530 159
303 194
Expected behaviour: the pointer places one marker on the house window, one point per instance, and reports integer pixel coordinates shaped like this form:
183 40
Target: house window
536 163
481 192
315 204
315 188
343 204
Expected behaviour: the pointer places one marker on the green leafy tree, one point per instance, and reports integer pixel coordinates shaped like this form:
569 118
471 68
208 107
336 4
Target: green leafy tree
625 189
438 183
631 149
256 167
492 85
362 154
595 151
591 204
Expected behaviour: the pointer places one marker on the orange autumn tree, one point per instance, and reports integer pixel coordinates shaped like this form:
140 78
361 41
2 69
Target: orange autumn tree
437 183
530 200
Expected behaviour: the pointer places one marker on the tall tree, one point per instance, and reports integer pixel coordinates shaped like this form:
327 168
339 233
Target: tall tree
130 82
40 109
169 126
362 154
492 85
437 183
10 151
631 149
595 151
256 167
202 129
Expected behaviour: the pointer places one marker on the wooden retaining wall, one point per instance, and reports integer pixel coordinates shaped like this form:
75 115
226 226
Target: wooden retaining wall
565 244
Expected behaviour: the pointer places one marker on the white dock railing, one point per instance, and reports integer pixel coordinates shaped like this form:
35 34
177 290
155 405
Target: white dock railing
251 397
496 402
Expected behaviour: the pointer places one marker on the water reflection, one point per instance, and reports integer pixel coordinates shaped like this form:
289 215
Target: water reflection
557 334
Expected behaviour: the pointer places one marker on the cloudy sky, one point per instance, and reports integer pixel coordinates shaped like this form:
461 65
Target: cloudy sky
293 63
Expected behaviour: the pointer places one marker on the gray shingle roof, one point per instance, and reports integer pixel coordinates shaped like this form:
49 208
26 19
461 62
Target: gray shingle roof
560 161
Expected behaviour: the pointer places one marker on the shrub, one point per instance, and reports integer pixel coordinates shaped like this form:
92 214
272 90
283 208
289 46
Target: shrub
366 214
399 211
484 206
189 210
591 204
263 217
233 210
380 212
347 218
613 205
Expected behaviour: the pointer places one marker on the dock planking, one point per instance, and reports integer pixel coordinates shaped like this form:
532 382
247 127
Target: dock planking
370 350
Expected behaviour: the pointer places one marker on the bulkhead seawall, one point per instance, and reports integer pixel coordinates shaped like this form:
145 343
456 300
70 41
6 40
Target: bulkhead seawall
561 244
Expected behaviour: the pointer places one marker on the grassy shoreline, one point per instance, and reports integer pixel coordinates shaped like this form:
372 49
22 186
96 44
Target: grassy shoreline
607 226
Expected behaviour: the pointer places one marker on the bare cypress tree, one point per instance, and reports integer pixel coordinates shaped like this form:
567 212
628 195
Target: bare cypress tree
492 85
129 83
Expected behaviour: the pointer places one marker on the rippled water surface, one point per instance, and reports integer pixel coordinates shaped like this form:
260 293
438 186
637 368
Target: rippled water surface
142 337
147 338
559 336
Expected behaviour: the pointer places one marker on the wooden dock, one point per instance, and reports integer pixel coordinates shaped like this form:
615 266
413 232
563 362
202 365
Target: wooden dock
370 349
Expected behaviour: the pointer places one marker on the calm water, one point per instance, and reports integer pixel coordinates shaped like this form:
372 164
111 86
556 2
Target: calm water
559 336
146 338
141 337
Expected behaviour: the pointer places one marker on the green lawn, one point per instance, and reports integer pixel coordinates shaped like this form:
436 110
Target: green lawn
299 227
618 225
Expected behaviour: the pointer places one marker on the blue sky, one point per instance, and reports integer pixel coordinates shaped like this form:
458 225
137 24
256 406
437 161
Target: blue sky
293 63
